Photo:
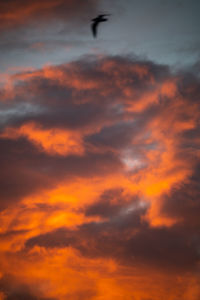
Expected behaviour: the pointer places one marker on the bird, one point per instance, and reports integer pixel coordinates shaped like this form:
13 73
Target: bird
96 21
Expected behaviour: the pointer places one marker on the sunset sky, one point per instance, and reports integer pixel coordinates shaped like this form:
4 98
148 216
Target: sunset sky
99 150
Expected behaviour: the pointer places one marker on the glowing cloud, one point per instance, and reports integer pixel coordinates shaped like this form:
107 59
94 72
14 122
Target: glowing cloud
100 182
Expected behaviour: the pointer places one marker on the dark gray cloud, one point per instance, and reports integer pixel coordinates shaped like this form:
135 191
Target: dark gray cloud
25 170
15 290
34 32
86 92
15 13
183 203
111 203
127 239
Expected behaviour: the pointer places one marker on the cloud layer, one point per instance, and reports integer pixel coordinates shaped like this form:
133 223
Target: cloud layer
99 181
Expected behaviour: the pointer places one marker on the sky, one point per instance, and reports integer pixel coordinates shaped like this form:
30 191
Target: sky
99 150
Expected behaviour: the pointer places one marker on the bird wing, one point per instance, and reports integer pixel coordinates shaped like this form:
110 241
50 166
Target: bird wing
94 28
104 15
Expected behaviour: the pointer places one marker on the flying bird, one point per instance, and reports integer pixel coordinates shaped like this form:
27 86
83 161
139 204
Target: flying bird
96 21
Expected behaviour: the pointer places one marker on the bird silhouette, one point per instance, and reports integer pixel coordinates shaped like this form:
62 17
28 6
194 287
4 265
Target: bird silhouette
96 21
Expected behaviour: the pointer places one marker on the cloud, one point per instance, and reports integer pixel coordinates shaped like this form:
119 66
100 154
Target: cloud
126 239
37 33
38 171
126 120
99 172
110 203
182 202
13 290
20 13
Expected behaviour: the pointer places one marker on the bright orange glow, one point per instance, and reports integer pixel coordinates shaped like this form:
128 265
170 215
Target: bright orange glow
53 141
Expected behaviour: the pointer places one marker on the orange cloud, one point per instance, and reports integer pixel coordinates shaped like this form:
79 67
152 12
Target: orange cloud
54 141
100 182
